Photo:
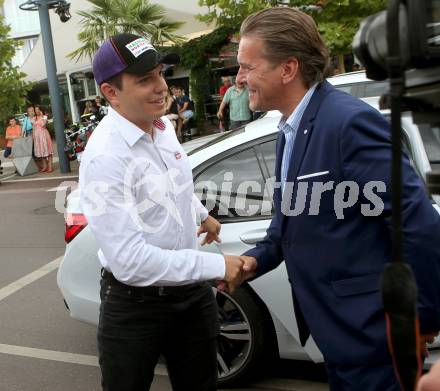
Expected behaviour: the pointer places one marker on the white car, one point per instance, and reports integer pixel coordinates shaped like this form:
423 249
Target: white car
357 84
258 321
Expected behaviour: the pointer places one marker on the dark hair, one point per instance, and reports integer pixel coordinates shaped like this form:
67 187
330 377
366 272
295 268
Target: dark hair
116 81
288 32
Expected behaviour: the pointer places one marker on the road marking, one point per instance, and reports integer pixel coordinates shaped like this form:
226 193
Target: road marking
54 355
72 358
59 188
161 370
42 179
22 191
29 278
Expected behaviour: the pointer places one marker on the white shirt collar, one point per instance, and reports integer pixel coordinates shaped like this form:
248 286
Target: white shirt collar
128 130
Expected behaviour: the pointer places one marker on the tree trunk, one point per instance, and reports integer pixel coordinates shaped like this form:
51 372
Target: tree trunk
341 63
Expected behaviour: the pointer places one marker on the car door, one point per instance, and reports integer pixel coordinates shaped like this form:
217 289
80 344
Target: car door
230 185
235 188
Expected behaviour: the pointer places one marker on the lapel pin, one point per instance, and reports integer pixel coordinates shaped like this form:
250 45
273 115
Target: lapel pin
177 155
305 131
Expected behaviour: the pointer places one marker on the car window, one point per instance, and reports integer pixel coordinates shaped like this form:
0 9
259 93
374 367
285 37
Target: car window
234 189
364 89
268 150
431 140
348 88
376 88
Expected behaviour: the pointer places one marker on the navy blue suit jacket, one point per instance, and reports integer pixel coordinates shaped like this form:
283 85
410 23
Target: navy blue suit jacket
335 264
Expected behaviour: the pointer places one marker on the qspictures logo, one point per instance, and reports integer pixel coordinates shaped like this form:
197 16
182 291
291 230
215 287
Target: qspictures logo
143 195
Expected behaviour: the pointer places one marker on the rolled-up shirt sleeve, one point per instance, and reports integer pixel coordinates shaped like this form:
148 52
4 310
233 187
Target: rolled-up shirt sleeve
110 208
201 212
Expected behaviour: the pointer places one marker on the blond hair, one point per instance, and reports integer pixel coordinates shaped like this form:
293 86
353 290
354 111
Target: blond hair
288 32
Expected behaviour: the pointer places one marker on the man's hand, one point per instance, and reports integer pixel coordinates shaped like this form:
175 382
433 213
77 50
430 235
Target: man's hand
430 381
425 339
249 267
212 229
233 274
220 115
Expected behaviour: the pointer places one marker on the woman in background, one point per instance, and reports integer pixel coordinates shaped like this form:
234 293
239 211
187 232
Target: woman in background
89 108
43 147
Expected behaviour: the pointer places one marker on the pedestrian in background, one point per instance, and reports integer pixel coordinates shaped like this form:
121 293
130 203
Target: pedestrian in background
226 84
89 108
237 98
13 131
171 111
43 147
101 107
183 110
27 122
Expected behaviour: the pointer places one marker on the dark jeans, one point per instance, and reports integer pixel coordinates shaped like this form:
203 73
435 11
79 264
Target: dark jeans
7 152
137 325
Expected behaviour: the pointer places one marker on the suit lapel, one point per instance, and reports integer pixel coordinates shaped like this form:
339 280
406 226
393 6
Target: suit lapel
281 141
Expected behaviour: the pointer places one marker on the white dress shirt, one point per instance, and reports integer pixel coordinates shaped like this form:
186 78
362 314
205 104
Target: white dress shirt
290 127
137 194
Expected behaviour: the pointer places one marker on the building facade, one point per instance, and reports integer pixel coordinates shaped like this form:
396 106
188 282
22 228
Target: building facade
76 80
25 26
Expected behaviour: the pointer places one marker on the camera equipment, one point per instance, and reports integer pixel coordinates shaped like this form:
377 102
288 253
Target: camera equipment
62 10
416 66
403 45
61 7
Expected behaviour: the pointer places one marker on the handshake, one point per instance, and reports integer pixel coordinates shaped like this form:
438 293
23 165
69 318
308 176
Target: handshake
239 268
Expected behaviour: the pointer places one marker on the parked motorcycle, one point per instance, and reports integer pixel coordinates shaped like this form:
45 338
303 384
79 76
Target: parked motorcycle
78 135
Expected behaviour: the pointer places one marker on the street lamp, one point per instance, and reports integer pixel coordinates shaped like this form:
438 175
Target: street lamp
62 9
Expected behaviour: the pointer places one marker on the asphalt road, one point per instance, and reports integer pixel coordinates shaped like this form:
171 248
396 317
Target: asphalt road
41 347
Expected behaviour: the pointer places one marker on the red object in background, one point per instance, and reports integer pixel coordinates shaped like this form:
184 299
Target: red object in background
223 90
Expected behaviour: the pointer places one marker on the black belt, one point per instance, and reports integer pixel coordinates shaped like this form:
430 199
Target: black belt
152 290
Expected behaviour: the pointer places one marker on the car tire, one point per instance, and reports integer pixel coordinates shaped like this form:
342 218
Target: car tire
247 336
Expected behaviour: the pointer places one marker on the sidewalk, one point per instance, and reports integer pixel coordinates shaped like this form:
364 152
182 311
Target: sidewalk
9 170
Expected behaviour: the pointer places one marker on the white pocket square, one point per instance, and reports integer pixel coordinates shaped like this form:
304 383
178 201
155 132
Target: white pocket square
314 174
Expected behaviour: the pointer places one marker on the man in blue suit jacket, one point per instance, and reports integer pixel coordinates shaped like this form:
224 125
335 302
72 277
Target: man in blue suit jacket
332 207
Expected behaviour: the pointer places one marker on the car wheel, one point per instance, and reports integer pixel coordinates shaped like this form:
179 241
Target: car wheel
246 335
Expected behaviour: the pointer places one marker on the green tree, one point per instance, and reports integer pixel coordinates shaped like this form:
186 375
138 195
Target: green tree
109 17
13 87
230 13
337 21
